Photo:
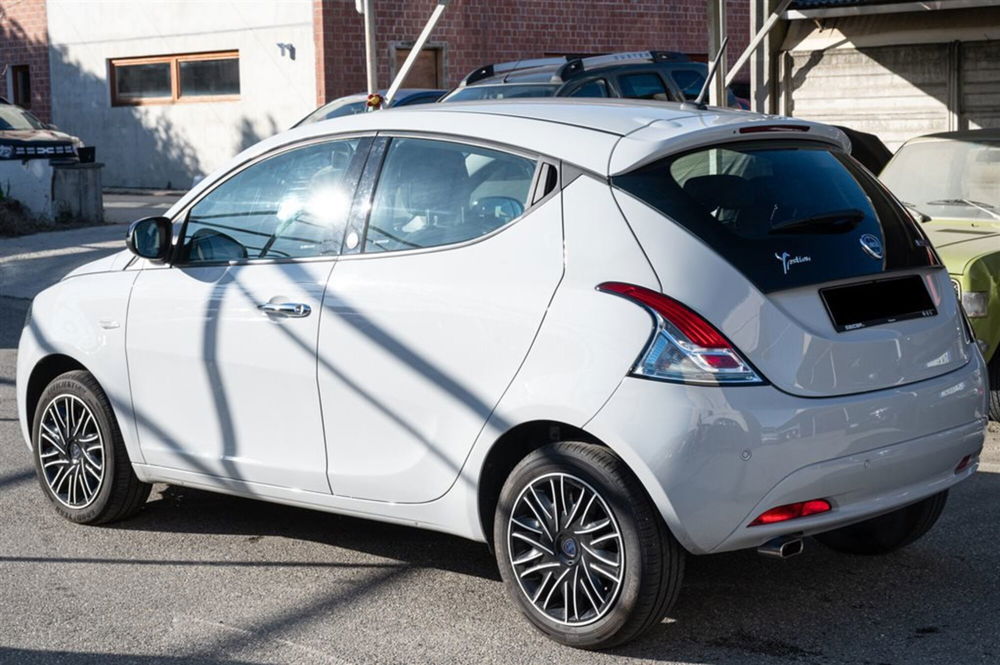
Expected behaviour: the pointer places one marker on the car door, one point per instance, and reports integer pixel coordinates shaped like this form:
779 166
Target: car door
426 323
221 343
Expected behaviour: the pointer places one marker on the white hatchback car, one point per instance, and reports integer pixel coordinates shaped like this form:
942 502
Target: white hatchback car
596 335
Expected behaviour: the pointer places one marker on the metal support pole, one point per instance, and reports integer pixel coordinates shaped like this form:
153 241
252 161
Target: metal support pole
759 37
415 51
370 57
716 33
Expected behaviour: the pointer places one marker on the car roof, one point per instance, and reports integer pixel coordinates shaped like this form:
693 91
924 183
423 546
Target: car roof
964 135
604 136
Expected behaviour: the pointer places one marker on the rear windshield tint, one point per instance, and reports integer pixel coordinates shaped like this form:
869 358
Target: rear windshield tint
785 213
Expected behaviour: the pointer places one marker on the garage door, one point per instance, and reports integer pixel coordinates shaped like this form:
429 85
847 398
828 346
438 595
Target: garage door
895 92
980 65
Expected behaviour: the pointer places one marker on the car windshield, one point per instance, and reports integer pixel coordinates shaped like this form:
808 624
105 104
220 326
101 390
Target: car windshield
13 117
334 109
947 178
510 91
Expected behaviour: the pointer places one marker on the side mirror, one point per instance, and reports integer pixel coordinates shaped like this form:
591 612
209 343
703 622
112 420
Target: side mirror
149 238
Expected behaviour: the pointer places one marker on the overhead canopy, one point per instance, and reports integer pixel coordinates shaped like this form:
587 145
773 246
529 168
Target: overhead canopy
811 9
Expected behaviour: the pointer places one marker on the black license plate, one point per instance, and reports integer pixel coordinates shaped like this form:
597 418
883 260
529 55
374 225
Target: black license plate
878 302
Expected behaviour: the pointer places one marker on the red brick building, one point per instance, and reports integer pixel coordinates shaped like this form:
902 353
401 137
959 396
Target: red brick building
478 32
24 55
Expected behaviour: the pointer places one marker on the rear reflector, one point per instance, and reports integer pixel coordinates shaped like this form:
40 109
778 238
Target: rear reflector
963 464
792 511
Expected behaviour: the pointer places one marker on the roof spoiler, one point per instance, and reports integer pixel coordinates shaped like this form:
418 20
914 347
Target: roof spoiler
507 67
577 66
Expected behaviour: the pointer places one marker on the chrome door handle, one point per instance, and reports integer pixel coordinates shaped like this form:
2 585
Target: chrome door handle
291 310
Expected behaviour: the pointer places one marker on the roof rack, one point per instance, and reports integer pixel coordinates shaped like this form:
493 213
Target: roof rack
578 65
569 66
512 66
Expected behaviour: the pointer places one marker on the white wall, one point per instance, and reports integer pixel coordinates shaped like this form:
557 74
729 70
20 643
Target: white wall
169 144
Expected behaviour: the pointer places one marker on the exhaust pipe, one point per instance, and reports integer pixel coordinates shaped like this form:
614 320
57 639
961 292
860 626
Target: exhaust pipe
781 547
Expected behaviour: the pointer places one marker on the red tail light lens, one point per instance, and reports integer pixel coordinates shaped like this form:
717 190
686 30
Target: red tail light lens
684 347
792 511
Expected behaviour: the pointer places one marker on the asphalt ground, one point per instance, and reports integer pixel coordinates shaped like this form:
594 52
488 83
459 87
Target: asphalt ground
203 578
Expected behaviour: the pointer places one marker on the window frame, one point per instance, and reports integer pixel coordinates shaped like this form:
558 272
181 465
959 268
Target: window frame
372 176
355 170
174 60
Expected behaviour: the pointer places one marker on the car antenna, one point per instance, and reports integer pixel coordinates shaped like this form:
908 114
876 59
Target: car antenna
699 103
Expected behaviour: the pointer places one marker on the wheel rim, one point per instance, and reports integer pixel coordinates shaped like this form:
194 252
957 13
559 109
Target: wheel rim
71 450
566 550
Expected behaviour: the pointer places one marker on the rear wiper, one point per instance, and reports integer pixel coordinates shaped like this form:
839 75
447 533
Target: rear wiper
988 208
840 220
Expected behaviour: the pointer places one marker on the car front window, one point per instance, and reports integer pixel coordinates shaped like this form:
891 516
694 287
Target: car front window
947 178
293 205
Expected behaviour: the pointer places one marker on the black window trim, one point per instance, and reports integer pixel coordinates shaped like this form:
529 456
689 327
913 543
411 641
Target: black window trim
180 220
368 197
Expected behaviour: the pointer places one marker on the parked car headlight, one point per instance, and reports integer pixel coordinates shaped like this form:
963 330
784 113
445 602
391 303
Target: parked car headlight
975 303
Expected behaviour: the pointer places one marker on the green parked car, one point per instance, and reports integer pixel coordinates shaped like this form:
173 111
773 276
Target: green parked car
953 180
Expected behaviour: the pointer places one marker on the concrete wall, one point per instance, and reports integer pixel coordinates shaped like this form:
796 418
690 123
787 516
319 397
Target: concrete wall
167 145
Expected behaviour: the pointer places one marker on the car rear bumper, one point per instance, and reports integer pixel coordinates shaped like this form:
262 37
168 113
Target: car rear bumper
713 459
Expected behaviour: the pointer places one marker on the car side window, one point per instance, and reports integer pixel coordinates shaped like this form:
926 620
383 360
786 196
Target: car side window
433 193
292 205
643 86
689 81
595 88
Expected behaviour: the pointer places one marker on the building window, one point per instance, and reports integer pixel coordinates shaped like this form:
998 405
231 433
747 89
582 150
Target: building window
21 84
427 70
171 79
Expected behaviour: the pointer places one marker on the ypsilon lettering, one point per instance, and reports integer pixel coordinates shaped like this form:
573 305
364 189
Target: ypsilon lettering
787 260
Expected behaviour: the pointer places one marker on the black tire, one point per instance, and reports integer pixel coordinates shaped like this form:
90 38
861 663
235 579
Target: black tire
993 368
887 533
651 560
106 492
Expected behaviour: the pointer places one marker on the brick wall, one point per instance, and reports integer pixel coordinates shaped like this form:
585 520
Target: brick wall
24 41
478 32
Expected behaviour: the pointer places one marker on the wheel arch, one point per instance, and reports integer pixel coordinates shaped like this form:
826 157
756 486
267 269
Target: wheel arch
510 448
42 374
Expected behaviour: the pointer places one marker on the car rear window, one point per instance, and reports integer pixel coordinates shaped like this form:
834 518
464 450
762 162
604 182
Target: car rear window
786 214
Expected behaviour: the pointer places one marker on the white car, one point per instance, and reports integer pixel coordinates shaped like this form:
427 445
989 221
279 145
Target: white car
595 335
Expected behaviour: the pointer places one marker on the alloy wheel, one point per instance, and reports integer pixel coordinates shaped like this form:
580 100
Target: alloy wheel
71 451
566 550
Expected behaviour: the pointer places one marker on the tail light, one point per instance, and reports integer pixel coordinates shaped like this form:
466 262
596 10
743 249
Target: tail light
684 347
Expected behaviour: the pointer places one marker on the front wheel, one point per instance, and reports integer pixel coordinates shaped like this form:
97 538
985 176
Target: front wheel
80 457
887 533
582 549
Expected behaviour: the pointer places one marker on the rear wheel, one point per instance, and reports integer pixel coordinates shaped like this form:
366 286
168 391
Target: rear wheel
80 457
994 372
887 533
582 549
